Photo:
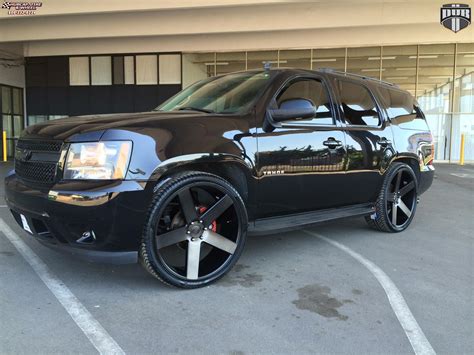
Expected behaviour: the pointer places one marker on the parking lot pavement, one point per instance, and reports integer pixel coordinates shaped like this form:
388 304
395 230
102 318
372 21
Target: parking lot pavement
289 293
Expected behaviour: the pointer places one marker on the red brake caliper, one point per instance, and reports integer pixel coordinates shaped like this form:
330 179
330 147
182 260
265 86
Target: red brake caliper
213 226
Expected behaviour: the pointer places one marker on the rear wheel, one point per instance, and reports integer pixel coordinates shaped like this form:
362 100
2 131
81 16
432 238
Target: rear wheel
195 232
396 203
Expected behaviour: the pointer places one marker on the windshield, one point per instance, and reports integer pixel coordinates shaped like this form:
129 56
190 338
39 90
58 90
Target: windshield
225 94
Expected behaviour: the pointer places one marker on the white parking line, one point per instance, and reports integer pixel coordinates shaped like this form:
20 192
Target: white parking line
92 329
415 335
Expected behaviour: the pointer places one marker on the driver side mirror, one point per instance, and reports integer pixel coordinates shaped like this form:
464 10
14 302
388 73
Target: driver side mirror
293 109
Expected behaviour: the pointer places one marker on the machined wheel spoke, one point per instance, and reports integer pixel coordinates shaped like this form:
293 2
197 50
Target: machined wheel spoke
398 181
188 206
216 210
404 208
407 188
394 214
391 198
219 241
192 259
169 238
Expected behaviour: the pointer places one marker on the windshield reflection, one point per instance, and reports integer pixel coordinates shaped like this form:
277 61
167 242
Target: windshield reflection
230 93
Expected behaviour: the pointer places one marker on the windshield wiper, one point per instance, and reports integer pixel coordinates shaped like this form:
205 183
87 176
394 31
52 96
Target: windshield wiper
195 109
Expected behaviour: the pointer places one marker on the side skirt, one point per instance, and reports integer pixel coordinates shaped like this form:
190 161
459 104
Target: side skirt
300 220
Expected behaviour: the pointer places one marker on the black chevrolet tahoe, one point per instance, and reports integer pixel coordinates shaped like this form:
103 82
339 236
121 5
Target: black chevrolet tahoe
179 188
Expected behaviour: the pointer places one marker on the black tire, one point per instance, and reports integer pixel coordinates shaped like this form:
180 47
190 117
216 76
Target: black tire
199 217
396 204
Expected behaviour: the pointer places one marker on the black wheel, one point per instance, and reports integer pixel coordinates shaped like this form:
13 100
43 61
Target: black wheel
195 232
396 203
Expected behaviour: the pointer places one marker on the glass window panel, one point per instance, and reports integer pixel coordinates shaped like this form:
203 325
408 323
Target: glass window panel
129 70
463 81
399 68
17 101
464 63
329 58
79 71
358 106
101 70
300 59
462 124
6 99
314 91
118 70
364 61
465 47
256 60
467 94
195 67
436 63
34 119
7 125
229 62
170 69
436 49
147 73
55 117
17 126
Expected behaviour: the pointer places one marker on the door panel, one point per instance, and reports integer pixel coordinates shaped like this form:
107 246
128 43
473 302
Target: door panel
366 157
302 162
297 172
368 141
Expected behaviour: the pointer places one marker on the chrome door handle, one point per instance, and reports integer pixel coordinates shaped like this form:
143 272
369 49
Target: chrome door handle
332 143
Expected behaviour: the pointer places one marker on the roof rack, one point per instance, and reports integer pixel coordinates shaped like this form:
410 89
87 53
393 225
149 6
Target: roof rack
330 70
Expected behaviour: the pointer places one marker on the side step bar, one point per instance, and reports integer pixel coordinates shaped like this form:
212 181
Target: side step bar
299 220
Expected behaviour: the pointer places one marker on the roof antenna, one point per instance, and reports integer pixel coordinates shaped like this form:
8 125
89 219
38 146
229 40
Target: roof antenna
267 66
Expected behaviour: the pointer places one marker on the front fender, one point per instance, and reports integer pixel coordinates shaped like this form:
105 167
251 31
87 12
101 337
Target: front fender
241 174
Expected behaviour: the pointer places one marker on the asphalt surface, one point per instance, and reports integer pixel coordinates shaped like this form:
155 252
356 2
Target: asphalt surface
289 293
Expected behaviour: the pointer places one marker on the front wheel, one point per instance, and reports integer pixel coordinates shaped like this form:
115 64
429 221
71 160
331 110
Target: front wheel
195 232
396 203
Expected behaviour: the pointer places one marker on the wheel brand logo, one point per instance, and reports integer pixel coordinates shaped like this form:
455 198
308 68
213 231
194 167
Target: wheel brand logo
455 17
21 8
23 154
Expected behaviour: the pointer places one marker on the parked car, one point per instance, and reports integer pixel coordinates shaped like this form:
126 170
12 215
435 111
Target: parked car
179 188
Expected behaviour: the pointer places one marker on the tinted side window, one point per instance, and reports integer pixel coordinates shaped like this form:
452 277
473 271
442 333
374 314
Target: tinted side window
314 91
357 105
401 109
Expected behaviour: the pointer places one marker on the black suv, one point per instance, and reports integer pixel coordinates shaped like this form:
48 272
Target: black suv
258 151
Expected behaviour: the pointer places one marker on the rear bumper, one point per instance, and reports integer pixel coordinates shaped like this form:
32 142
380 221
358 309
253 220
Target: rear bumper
113 212
426 179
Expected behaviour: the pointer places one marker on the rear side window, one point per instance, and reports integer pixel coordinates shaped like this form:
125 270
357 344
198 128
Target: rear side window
312 90
401 109
357 104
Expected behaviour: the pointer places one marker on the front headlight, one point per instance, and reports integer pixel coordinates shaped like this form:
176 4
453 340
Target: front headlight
97 161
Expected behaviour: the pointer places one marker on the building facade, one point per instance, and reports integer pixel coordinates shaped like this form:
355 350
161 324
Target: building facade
84 57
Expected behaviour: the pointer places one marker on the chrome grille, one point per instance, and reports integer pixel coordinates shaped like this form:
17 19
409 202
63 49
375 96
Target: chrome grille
37 160
40 145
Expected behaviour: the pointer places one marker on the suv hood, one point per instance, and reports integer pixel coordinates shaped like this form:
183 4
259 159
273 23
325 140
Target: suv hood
92 128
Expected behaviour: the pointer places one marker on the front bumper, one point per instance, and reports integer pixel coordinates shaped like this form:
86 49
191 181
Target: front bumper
113 212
